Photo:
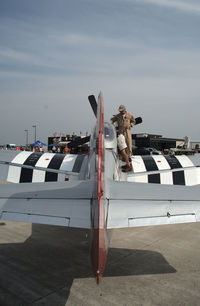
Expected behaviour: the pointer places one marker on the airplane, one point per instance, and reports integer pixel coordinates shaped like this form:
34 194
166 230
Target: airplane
90 191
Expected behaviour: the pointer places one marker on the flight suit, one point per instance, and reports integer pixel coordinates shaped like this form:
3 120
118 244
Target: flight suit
124 124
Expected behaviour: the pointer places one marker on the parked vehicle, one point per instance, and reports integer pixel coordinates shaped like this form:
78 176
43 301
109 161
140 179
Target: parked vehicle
146 151
10 146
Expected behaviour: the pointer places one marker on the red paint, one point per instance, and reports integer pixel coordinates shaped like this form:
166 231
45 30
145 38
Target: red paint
98 251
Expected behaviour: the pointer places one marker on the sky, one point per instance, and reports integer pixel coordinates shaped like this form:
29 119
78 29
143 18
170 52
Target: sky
144 54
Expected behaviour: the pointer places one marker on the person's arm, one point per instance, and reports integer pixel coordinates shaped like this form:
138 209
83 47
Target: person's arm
132 121
113 119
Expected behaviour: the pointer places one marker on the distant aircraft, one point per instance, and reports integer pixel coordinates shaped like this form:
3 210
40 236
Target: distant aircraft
91 192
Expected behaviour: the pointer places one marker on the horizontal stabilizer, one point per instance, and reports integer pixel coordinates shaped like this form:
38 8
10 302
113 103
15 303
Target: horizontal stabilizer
65 204
151 204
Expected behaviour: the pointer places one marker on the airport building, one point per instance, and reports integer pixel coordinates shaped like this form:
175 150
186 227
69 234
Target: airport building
63 144
195 145
157 141
141 140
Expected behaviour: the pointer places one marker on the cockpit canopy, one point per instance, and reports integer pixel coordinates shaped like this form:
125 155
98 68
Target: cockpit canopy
109 136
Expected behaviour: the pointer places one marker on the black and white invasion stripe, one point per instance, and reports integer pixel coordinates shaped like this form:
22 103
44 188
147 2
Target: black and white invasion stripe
69 162
147 163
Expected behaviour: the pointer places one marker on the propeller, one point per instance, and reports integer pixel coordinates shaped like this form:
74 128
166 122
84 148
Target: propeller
138 120
78 142
93 104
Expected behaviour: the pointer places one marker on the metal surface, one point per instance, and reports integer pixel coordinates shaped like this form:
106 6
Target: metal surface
98 249
61 204
160 190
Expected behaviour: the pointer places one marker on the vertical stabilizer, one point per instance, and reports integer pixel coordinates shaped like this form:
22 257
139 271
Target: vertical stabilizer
98 250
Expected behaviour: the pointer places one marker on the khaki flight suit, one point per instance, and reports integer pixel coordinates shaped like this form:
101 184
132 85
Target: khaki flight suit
124 124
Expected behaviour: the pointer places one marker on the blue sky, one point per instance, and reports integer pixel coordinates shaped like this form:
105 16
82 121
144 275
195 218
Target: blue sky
141 53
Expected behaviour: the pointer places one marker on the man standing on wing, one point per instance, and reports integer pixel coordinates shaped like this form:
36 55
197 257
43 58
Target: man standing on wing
125 121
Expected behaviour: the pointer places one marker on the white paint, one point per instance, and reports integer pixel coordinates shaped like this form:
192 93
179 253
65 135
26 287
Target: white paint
15 172
43 161
184 161
67 165
162 164
191 175
138 166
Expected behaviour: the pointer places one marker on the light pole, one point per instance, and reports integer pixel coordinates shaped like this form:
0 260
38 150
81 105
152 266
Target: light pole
34 126
26 136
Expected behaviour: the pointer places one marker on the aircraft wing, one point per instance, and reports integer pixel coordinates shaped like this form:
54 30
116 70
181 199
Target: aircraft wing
139 204
56 203
74 165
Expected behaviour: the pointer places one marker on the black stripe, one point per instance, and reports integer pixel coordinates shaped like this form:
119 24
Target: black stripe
78 163
150 165
173 162
179 176
55 163
27 174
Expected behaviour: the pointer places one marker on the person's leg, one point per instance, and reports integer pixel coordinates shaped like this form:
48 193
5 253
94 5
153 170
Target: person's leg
128 139
128 167
125 156
122 148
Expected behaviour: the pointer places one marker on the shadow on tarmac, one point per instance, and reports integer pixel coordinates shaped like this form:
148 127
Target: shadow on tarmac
46 264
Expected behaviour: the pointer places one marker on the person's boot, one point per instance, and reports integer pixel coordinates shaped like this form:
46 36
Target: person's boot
127 168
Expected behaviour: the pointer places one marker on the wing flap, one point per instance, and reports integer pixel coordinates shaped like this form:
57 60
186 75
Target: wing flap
132 222
35 218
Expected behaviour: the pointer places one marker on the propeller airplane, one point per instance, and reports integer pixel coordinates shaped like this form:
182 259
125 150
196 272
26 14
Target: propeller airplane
90 191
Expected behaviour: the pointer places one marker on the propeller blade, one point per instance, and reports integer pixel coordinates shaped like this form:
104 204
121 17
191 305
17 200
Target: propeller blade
78 142
93 104
138 120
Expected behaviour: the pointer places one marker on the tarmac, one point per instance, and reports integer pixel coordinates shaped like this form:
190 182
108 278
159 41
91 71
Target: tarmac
50 265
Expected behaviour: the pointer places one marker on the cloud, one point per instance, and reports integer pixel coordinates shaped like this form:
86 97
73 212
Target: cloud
91 40
186 6
136 55
12 54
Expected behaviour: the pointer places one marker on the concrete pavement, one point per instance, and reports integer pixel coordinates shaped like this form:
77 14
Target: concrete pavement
50 265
